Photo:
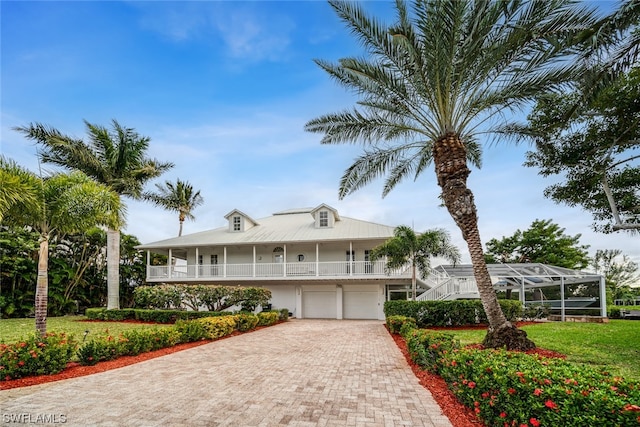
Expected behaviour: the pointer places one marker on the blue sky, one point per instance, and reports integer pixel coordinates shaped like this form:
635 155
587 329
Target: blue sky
223 89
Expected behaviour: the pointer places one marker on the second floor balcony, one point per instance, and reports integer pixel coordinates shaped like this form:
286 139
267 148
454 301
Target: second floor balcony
271 271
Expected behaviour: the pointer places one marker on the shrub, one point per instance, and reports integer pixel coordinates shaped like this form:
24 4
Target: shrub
268 318
191 331
449 313
521 389
111 315
427 348
395 323
245 321
36 356
283 314
217 327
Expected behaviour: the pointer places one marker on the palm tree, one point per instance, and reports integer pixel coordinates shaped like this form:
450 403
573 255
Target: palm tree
178 197
407 247
115 158
442 74
60 203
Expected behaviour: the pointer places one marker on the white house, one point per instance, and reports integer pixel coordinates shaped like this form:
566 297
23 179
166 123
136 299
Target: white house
314 261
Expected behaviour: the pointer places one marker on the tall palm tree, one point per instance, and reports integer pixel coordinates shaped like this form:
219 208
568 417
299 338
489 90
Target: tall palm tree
178 197
442 74
407 247
60 203
115 157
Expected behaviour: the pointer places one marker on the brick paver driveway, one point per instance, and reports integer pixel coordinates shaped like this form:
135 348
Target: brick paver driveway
300 373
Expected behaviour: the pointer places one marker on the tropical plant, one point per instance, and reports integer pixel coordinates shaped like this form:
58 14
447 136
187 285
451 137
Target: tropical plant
115 158
443 73
408 248
66 203
178 197
619 271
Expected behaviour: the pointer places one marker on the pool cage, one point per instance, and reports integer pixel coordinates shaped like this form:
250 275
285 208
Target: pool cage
562 290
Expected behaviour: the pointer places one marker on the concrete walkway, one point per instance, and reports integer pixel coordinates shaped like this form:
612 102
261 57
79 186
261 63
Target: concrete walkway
300 373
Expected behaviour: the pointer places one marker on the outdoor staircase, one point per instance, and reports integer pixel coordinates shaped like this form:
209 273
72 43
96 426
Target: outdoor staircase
442 287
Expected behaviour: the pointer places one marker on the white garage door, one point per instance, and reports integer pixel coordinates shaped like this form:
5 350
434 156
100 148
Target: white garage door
319 304
360 304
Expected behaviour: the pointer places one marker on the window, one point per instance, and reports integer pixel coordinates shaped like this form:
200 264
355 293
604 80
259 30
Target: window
368 266
300 257
199 259
324 219
214 259
236 223
278 255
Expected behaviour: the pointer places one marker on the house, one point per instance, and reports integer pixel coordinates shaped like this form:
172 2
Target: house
314 261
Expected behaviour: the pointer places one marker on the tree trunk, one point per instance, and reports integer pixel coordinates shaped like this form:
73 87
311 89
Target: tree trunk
113 269
449 156
42 286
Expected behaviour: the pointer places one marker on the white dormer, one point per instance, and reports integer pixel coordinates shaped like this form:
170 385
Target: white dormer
325 216
239 221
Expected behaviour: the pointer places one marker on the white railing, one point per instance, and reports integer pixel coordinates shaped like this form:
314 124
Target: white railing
450 287
357 269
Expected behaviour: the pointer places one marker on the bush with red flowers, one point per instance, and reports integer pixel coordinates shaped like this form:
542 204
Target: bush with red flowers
36 355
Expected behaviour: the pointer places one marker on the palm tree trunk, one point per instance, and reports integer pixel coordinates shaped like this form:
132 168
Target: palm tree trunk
180 230
42 286
113 269
449 156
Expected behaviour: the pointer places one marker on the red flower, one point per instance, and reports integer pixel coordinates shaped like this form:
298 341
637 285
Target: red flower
547 381
477 410
511 391
453 363
520 374
534 422
537 392
485 395
630 407
503 415
471 384
550 404
21 363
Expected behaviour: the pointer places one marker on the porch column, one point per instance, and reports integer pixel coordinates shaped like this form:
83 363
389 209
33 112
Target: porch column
317 259
224 261
522 298
197 263
351 256
254 260
148 264
284 265
169 263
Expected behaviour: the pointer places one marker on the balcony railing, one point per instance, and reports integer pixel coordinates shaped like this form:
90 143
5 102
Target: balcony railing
266 271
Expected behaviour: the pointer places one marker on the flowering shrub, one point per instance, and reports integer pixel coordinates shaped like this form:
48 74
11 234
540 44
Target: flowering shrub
517 389
395 323
427 348
245 321
36 356
267 318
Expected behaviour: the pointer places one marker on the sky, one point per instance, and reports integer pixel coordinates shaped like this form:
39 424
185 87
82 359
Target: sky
223 90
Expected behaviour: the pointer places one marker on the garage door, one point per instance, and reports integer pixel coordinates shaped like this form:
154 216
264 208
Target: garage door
360 304
319 304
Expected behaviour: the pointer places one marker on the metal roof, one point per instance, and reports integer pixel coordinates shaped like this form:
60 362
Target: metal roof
296 225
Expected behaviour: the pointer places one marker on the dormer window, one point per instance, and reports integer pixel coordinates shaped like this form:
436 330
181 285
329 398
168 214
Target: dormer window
324 218
237 224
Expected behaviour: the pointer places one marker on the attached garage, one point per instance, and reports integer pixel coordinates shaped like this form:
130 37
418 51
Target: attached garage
319 302
360 302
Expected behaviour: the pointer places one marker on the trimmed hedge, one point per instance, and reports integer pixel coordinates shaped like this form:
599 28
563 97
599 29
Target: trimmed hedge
395 323
449 313
268 318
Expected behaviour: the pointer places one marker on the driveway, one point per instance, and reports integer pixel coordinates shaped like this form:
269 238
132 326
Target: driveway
301 373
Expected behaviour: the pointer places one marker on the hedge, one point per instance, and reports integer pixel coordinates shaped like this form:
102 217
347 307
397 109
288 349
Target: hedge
147 315
449 313
516 389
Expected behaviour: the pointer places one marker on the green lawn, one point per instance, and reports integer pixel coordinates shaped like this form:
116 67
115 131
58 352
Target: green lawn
614 346
14 329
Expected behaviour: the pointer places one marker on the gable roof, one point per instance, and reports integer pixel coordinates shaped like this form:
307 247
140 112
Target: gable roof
295 225
239 212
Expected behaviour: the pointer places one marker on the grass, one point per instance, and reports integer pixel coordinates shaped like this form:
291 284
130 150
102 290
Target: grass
614 346
12 330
